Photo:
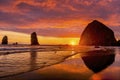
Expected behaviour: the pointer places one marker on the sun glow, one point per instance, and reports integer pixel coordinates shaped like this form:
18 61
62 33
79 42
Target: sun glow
23 38
73 43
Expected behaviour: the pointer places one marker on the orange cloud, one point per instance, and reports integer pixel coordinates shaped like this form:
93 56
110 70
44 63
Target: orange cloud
66 15
56 23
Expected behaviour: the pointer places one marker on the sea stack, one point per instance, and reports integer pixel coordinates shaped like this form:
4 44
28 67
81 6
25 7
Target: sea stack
97 34
5 40
34 40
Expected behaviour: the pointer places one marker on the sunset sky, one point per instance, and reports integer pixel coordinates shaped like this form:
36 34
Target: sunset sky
62 20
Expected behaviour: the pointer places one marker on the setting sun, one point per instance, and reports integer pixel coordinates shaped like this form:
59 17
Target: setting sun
73 43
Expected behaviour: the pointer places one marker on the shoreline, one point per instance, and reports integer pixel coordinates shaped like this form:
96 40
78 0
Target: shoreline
58 62
52 72
33 73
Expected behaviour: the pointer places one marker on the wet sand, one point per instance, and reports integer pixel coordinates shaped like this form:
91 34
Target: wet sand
73 68
65 65
16 63
61 71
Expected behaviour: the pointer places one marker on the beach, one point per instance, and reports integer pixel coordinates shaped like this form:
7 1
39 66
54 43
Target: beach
61 64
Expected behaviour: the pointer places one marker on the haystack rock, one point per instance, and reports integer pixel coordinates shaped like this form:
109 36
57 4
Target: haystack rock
34 40
5 40
97 34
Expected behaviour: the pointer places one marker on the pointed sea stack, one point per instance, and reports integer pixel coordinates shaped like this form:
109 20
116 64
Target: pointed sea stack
97 34
34 40
5 40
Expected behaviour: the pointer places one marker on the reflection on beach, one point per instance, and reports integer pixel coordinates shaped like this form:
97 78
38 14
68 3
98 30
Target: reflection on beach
33 56
84 66
99 60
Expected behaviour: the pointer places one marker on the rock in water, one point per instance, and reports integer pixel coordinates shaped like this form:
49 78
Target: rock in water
34 40
5 40
97 34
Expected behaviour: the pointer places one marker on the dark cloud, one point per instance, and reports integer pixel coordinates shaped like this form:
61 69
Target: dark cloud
10 18
14 19
70 8
44 11
6 2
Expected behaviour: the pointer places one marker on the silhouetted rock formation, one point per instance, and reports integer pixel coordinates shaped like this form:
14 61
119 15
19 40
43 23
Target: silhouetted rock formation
99 60
34 40
16 43
97 34
5 40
